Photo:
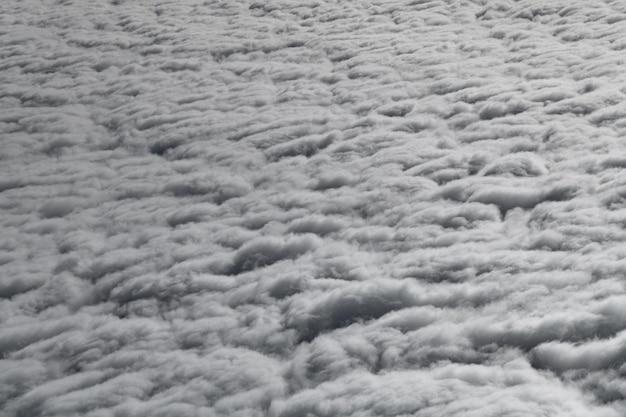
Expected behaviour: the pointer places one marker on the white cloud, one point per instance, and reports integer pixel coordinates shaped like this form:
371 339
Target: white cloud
280 208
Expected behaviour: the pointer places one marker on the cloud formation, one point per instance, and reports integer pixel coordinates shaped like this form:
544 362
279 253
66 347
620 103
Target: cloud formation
279 208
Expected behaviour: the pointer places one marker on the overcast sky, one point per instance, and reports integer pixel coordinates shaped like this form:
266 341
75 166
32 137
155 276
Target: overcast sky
312 208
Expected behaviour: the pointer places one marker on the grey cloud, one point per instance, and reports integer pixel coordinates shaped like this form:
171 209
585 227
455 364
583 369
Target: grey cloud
288 208
565 356
410 392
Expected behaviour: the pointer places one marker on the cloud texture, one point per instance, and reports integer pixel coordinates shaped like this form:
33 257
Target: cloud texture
291 208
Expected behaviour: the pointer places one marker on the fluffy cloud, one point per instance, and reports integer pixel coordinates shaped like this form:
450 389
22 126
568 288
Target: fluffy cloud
287 208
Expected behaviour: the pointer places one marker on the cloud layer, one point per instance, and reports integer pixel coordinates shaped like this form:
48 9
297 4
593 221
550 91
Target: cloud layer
369 208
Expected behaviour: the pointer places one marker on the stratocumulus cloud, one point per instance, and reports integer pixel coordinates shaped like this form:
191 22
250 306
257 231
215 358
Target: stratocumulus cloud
312 208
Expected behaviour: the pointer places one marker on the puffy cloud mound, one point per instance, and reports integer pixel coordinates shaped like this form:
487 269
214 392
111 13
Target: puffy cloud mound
312 208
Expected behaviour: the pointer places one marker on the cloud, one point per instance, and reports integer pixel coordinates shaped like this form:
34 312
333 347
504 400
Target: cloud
287 208
460 390
563 356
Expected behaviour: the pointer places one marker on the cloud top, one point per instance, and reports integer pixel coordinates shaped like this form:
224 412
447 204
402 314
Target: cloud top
290 208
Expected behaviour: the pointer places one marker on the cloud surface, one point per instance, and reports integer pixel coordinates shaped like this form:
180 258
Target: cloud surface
290 208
